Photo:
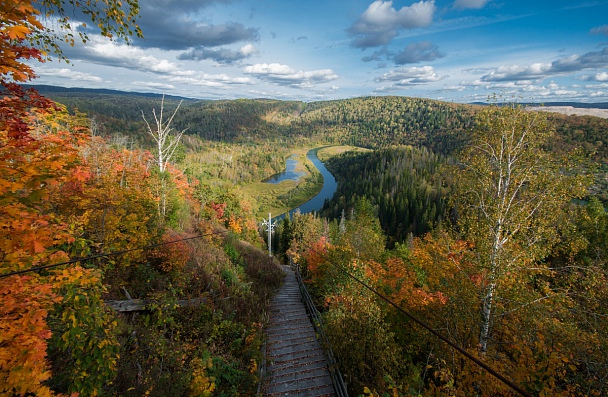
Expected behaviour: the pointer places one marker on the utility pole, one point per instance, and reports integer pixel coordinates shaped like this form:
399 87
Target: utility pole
269 225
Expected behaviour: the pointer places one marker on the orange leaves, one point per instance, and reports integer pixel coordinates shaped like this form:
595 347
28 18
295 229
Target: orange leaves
17 32
315 256
24 334
234 224
28 167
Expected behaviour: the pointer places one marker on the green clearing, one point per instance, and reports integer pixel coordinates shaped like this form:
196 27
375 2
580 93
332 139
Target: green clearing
282 197
332 151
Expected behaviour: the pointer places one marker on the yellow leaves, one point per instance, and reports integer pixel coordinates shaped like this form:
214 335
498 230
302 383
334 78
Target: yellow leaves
253 366
234 225
201 384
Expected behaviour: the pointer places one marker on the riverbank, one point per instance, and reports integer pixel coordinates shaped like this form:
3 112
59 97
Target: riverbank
279 198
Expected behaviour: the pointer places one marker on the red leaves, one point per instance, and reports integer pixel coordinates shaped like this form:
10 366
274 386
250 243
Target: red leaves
172 255
218 209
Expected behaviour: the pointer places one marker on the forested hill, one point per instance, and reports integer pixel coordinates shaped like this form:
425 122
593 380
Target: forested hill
371 122
382 121
368 122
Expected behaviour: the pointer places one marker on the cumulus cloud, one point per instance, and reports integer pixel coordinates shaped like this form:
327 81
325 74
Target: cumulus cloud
65 73
408 77
154 85
600 30
177 25
573 63
284 75
424 51
112 54
603 76
470 4
210 80
381 22
181 35
222 55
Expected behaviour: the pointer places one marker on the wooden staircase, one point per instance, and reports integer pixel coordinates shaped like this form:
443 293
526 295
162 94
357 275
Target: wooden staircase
296 364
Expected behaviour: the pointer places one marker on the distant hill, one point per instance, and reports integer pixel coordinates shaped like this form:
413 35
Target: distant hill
372 122
581 105
570 110
56 90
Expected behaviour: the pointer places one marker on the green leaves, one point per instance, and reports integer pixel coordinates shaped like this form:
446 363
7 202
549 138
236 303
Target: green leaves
84 334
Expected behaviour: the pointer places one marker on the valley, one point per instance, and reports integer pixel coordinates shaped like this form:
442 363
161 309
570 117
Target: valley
440 199
393 183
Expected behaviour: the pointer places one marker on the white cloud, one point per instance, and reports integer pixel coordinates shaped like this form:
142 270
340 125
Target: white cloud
248 49
408 77
151 84
210 80
565 92
515 72
539 71
456 88
69 74
284 75
381 22
603 85
474 4
601 76
103 52
599 94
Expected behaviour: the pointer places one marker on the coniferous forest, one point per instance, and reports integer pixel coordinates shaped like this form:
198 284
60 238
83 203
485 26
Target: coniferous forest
130 267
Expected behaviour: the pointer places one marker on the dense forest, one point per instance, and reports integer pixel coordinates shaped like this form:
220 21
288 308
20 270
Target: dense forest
134 269
403 184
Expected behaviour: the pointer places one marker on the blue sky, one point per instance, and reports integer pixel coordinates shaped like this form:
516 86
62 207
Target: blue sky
456 50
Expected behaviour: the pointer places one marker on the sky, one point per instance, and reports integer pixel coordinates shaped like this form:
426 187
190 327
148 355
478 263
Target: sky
453 50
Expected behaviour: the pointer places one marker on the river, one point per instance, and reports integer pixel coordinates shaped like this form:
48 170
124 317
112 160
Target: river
315 203
290 172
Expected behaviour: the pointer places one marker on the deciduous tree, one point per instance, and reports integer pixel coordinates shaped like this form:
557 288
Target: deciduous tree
510 193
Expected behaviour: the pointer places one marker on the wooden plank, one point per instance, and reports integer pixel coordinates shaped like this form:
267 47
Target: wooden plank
295 363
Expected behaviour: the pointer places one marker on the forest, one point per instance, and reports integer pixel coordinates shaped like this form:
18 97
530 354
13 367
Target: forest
486 222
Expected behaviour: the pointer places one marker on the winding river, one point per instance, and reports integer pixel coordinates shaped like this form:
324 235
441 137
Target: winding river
315 203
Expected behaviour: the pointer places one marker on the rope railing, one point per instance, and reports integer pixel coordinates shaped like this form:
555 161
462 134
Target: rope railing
317 321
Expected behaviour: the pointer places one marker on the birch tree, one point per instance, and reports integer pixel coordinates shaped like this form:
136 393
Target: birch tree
509 194
166 139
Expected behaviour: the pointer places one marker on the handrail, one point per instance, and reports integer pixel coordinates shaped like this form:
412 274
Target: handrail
334 371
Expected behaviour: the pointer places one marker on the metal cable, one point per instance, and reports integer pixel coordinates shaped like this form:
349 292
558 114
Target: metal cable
465 353
115 253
